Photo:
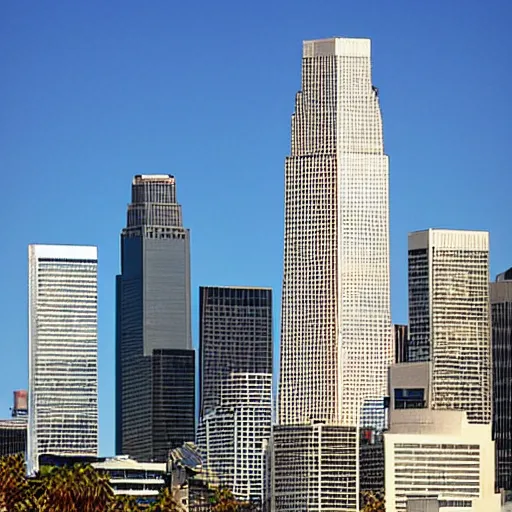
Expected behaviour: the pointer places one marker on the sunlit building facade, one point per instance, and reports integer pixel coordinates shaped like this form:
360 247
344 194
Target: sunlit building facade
449 317
63 352
336 337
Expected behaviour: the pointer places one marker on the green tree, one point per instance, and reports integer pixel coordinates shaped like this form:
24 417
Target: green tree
15 493
167 502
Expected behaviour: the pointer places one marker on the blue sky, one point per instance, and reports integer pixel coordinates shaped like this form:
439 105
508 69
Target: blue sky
95 92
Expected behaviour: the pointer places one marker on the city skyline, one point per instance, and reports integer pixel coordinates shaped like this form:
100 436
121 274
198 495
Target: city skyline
104 128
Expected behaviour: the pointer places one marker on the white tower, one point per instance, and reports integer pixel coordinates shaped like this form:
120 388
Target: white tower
336 342
63 352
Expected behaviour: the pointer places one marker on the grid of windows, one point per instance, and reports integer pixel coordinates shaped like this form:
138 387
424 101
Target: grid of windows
63 364
235 336
234 436
336 342
336 338
501 314
13 436
315 468
449 317
435 470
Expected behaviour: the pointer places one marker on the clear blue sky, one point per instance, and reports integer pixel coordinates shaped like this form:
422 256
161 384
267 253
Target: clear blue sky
93 92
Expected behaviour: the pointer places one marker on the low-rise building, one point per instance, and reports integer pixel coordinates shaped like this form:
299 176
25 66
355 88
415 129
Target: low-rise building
13 436
143 480
434 455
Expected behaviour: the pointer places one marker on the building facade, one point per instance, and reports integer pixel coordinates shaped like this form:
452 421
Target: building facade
449 317
315 467
63 352
434 454
234 436
235 335
336 338
501 318
13 436
155 362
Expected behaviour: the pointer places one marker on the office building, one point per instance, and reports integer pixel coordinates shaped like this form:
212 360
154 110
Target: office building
63 352
235 335
155 362
233 437
401 346
13 432
501 319
336 338
127 477
449 317
314 465
432 454
13 436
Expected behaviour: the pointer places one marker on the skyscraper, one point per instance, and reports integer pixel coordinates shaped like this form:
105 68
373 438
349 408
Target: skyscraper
336 339
236 386
155 362
449 317
63 352
235 335
501 316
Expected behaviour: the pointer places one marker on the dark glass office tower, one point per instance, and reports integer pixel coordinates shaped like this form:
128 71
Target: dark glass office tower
235 336
155 362
501 313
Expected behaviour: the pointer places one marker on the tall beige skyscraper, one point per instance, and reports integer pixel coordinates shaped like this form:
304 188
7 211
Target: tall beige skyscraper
336 342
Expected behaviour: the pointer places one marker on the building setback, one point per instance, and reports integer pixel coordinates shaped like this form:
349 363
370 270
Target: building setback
336 338
501 317
155 362
63 352
235 335
449 317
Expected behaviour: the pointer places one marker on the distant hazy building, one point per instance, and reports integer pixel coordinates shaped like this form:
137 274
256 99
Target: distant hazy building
63 352
501 314
449 317
155 362
235 335
434 454
401 347
234 436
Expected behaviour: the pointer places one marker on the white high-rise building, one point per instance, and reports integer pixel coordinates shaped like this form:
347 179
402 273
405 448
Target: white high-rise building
336 342
449 317
63 347
233 437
